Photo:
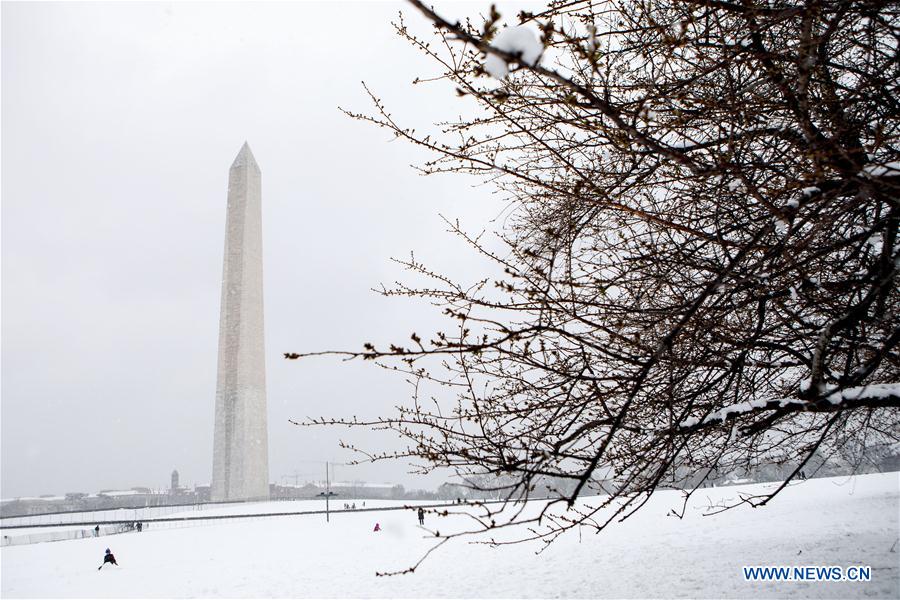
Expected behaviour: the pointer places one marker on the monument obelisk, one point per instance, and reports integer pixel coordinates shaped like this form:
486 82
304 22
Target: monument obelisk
240 440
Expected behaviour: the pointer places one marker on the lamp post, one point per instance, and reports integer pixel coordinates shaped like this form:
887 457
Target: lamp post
327 493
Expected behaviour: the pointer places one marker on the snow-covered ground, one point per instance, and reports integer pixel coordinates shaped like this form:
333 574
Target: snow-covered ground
171 517
839 521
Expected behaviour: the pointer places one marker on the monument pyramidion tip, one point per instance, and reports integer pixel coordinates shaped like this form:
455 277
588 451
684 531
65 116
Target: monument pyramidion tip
245 158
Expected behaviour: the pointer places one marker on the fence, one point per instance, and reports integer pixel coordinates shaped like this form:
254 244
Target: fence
61 534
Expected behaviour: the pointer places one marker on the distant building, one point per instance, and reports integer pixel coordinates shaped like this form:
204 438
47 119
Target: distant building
128 498
361 489
342 489
174 481
201 493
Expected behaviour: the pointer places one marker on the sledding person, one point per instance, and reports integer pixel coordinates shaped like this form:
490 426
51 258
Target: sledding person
108 558
421 516
377 527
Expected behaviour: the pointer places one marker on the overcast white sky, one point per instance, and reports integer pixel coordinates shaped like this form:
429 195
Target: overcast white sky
119 123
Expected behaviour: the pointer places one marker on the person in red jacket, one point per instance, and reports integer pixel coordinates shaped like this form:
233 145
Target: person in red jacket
377 527
108 558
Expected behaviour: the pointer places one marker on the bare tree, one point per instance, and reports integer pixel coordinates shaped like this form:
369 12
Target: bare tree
701 257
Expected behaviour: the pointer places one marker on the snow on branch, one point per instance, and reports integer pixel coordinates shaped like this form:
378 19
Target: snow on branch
881 395
520 41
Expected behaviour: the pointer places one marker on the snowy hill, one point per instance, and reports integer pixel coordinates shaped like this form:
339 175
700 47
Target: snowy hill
824 522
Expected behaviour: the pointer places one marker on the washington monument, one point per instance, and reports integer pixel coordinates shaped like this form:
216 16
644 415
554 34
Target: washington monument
240 441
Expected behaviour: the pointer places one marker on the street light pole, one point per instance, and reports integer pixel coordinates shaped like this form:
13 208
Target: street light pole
327 494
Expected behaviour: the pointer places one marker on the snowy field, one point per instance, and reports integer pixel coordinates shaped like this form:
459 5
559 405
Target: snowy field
839 521
173 517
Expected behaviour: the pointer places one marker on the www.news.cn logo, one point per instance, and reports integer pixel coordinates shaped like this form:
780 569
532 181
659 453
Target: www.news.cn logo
807 573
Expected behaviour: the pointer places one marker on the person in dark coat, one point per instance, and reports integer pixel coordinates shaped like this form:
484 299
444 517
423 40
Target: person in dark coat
421 516
108 558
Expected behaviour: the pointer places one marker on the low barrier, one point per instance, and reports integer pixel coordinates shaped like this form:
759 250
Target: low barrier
59 535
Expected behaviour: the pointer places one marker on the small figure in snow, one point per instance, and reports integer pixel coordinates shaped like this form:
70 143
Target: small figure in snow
354 506
421 516
377 527
108 558
140 526
364 503
97 531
